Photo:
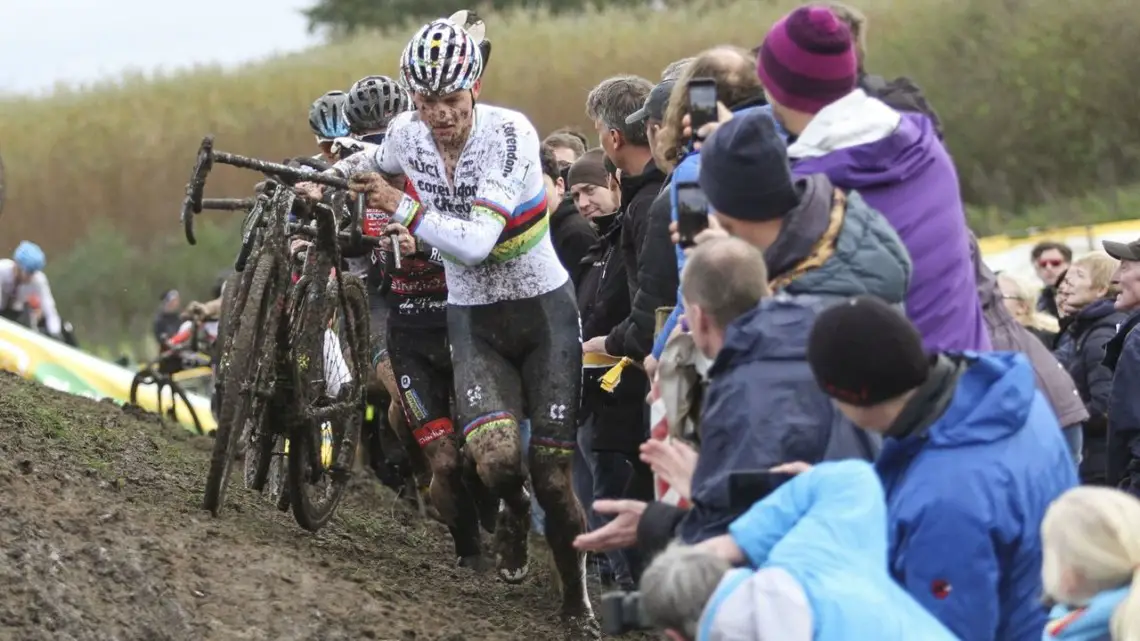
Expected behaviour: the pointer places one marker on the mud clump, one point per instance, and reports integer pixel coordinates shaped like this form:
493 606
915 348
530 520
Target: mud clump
102 538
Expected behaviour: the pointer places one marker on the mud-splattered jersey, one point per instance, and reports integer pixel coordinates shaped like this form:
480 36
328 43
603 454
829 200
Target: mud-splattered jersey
490 221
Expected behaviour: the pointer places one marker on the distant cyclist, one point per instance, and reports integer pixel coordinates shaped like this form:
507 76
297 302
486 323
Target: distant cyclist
327 121
511 314
22 278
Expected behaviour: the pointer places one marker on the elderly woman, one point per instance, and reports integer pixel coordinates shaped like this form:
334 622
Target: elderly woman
1021 300
1085 299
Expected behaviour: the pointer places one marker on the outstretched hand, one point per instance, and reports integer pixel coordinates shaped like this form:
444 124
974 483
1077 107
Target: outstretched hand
619 533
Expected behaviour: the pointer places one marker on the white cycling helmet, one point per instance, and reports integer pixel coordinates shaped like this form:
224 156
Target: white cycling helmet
373 101
441 58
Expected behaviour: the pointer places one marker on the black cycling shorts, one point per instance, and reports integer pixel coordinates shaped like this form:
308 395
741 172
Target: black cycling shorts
421 363
519 359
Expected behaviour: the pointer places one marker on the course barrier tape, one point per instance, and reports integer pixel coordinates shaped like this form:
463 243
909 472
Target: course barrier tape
61 367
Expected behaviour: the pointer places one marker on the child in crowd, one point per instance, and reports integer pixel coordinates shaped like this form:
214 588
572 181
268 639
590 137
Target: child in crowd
1091 542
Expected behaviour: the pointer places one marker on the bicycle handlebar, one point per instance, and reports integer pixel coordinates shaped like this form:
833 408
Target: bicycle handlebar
193 202
228 204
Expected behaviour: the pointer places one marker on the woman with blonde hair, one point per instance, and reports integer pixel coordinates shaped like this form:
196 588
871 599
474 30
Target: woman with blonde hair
1091 567
1021 300
1085 298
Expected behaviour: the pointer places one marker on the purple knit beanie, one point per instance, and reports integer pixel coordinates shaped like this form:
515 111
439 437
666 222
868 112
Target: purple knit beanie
807 60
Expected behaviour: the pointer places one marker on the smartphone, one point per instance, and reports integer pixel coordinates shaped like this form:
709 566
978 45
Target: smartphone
702 104
746 488
692 212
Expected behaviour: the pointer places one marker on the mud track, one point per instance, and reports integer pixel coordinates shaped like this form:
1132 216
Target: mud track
102 538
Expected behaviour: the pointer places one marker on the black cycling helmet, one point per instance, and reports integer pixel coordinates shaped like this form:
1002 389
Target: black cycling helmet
326 116
372 103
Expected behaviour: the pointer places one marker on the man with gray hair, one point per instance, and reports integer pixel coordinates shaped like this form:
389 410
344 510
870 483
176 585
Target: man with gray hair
626 144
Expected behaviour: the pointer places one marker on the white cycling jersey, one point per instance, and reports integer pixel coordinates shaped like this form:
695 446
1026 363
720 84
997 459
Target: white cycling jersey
15 296
490 222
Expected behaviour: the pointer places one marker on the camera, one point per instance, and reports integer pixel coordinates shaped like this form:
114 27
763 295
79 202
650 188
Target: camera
622 613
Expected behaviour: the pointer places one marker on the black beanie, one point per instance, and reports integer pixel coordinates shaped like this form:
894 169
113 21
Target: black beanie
744 170
863 352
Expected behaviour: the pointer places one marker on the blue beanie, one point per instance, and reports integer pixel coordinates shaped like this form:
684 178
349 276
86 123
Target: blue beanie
744 170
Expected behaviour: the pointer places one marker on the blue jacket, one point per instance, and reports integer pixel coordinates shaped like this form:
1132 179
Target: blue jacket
688 170
1090 623
827 528
762 408
966 497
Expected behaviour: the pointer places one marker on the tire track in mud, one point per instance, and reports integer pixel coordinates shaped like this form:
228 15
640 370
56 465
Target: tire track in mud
102 538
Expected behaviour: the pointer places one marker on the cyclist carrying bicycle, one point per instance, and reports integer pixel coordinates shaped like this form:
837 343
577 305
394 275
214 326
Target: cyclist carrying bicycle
477 195
21 278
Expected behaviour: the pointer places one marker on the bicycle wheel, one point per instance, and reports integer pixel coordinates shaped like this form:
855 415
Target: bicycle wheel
245 348
144 376
179 394
328 389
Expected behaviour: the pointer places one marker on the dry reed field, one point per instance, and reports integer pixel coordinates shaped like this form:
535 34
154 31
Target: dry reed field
1038 98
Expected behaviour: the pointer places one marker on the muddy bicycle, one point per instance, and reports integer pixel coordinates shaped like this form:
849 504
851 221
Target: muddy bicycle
179 368
295 359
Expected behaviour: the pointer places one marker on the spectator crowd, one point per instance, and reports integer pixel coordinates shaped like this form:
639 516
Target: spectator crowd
871 434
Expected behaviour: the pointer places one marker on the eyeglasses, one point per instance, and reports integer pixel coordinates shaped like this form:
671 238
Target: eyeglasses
1050 263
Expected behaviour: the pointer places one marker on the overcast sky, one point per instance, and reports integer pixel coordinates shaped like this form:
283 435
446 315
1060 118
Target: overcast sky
47 41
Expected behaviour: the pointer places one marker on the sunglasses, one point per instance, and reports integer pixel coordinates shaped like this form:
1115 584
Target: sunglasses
1050 263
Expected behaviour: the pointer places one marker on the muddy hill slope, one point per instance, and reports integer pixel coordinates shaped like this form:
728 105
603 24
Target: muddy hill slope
102 539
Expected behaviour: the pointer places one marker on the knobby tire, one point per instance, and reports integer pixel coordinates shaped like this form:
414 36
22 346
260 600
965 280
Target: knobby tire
241 356
310 329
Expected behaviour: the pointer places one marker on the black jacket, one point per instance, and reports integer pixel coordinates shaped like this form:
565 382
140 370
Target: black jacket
572 236
603 301
1080 348
651 268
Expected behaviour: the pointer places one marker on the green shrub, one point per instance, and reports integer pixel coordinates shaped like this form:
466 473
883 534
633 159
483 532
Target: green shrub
110 289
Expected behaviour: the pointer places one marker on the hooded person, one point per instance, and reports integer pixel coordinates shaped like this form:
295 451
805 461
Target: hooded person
816 239
972 457
809 69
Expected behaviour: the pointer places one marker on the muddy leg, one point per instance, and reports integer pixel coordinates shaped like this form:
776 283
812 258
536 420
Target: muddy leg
494 443
450 497
550 477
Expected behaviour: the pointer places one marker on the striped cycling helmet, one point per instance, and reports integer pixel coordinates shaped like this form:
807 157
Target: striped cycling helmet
441 58
372 103
326 116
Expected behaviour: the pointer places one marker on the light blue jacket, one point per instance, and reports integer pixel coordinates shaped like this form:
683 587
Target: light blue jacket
827 529
1090 623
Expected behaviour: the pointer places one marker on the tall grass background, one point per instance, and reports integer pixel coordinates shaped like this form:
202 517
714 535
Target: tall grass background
1038 98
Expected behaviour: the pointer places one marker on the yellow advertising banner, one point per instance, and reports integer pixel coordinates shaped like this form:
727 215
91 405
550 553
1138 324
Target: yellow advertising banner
64 368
